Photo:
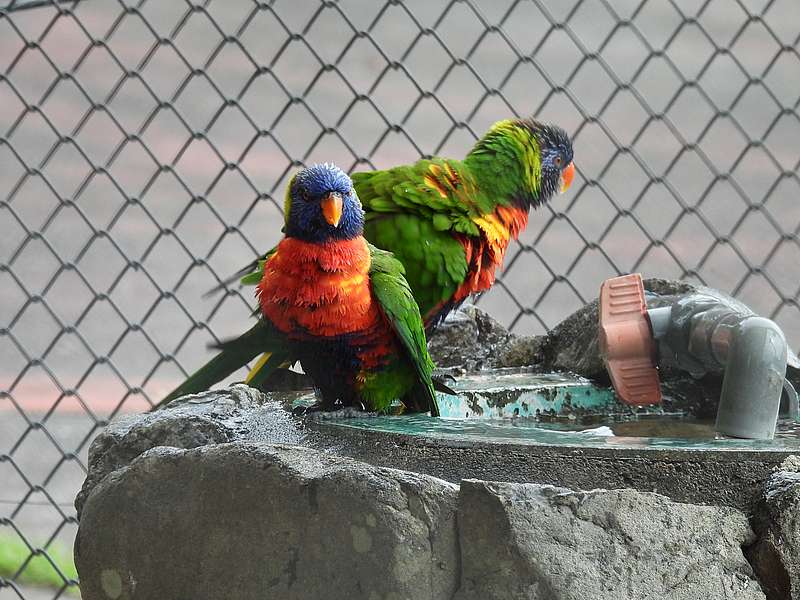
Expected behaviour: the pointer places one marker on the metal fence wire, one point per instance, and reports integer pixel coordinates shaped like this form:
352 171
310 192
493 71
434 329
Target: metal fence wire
145 147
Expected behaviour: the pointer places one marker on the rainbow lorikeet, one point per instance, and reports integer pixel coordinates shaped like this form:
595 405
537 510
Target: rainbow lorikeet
450 221
336 304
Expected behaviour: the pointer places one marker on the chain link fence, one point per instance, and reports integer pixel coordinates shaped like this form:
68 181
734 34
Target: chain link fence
145 146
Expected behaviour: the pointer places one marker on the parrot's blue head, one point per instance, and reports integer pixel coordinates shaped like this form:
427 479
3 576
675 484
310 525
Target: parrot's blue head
322 205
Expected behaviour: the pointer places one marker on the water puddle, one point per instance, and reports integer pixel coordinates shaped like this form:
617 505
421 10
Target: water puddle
561 410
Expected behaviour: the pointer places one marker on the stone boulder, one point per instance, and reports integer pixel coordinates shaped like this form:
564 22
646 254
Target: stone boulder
525 541
212 417
255 519
776 555
469 340
251 521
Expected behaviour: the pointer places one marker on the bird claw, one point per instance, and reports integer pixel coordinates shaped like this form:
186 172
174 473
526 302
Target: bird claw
444 376
439 383
319 412
303 410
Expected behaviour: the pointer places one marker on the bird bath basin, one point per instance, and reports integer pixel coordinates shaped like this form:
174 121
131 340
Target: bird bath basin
561 430
558 410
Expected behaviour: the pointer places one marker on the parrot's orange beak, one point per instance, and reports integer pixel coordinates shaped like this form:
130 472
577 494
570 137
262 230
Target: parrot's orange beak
332 208
567 175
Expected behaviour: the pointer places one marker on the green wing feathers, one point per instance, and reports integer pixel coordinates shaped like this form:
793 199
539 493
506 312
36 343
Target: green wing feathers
397 303
419 212
254 272
435 261
438 189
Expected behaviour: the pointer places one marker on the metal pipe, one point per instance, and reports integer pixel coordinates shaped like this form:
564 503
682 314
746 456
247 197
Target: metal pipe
700 332
794 403
753 382
704 335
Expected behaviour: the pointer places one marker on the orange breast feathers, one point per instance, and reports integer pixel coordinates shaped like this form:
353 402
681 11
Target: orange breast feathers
485 253
318 289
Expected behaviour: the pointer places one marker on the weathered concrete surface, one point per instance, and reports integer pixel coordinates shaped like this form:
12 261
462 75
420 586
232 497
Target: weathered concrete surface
192 421
725 477
260 521
254 520
776 556
523 541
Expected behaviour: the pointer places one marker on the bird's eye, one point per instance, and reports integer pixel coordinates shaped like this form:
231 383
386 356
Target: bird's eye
305 195
558 160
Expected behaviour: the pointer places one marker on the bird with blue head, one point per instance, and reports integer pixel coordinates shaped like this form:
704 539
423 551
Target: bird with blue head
451 221
337 305
322 205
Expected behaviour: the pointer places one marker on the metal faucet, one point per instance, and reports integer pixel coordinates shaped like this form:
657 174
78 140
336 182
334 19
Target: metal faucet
701 332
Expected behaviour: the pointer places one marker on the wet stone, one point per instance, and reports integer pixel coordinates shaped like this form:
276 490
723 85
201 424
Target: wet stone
212 417
253 521
776 555
258 520
210 481
521 541
470 340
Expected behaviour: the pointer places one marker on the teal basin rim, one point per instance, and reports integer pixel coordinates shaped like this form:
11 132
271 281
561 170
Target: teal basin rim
558 410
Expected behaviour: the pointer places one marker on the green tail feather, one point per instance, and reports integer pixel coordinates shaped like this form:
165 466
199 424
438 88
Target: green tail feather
234 354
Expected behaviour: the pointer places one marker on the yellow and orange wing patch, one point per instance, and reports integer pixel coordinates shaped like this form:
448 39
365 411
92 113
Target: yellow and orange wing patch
443 179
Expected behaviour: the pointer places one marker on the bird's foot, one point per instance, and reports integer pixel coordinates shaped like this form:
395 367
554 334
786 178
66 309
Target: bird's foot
444 375
305 410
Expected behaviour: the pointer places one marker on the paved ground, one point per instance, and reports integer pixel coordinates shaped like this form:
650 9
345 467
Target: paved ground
39 460
133 230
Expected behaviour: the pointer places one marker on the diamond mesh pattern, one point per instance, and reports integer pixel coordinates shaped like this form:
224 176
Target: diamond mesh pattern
145 146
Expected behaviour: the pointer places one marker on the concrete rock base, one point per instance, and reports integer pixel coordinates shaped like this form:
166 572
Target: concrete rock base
261 521
225 495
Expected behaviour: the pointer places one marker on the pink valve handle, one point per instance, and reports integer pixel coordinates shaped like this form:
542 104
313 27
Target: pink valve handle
626 341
